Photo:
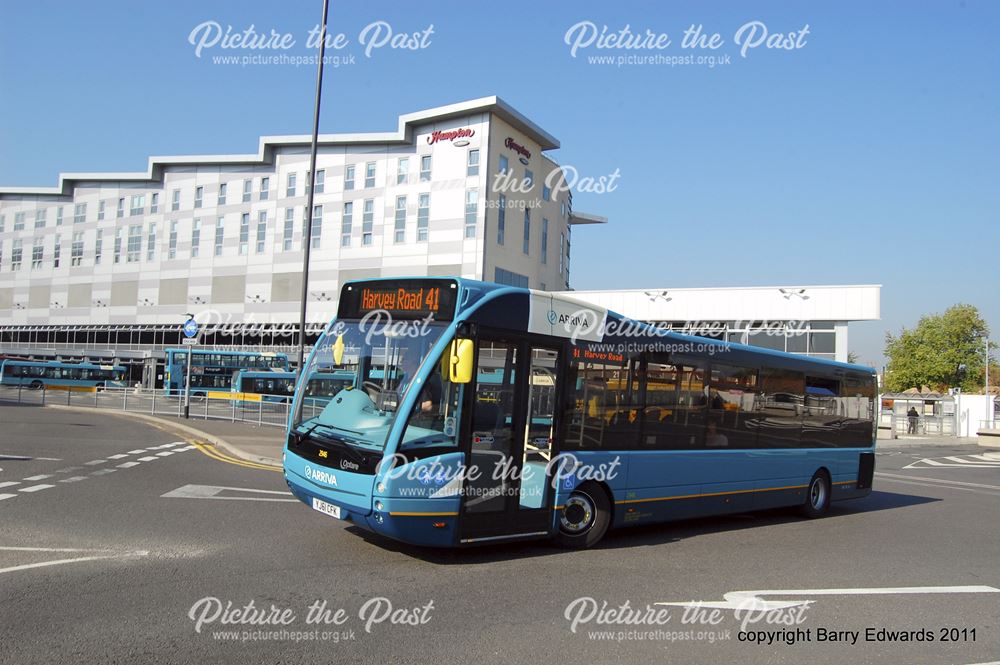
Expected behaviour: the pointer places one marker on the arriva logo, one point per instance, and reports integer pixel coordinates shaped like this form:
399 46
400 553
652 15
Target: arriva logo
321 476
552 317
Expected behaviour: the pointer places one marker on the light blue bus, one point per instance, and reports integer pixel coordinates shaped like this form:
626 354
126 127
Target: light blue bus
214 370
481 413
279 386
36 374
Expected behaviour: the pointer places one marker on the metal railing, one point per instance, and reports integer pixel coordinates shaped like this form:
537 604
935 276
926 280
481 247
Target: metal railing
990 425
921 426
268 411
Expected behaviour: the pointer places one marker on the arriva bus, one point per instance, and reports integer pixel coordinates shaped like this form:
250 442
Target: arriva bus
214 370
482 413
34 374
280 386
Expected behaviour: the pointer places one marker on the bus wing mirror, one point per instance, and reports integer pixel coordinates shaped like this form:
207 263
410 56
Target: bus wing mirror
338 350
460 361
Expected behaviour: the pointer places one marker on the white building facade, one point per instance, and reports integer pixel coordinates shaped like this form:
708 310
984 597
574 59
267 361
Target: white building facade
114 261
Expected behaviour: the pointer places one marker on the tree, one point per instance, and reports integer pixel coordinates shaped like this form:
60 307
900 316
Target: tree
933 353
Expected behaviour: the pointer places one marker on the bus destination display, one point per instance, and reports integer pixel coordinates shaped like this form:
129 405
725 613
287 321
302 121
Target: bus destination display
413 299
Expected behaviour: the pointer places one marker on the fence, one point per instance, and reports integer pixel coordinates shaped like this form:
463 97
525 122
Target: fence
268 411
922 425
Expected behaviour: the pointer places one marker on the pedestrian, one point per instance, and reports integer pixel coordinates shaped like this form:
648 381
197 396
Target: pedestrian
912 416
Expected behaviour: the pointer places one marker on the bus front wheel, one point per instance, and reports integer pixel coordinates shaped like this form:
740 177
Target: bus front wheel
585 518
35 385
817 501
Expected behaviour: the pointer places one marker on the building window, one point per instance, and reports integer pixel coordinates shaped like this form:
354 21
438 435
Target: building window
154 203
472 165
403 171
120 210
18 221
320 181
504 164
545 240
562 244
222 193
244 233
529 179
290 185
220 232
59 216
369 175
175 200
134 248
317 223
98 247
367 221
423 216
137 205
195 237
100 210
151 242
546 192
119 238
199 196
286 238
261 230
345 224
265 188
57 252
247 190
16 255
40 219
471 212
349 177
3 221
79 214
400 235
508 278
501 219
526 239
425 168
172 241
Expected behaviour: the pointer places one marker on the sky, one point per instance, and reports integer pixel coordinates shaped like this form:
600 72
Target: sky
868 152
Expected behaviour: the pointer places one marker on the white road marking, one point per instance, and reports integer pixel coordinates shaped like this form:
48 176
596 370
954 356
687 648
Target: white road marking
960 483
165 453
984 461
10 483
103 472
212 492
36 488
59 562
127 465
752 601
7 496
136 452
116 456
41 477
95 462
68 469
147 459
74 479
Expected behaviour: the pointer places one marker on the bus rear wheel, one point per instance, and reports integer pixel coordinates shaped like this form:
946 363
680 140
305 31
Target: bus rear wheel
35 385
817 501
585 518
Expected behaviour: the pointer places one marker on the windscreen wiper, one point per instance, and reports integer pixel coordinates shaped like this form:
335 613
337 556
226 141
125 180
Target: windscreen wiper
337 443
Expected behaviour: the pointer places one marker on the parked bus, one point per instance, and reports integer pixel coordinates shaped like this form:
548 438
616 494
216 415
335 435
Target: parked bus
642 425
214 370
36 374
280 386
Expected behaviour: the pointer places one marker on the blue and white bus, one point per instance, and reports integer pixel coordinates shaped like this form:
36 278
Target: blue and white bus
214 370
53 374
280 386
443 440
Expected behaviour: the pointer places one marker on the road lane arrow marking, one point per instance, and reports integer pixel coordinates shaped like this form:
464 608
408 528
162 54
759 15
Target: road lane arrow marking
214 491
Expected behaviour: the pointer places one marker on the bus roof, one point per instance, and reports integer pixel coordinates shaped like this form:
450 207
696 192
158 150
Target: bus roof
474 295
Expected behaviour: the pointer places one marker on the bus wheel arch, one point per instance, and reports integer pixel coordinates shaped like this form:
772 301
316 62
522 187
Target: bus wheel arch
819 493
35 385
586 516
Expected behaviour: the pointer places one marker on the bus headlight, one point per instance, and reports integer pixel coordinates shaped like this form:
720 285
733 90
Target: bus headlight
380 488
378 505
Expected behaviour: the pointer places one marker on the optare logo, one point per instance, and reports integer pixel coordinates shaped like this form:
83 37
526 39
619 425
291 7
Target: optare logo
348 465
552 317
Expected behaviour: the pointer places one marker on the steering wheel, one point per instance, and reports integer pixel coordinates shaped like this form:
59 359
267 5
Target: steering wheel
372 388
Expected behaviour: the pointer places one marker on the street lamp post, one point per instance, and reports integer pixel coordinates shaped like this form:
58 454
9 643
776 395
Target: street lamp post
307 239
187 372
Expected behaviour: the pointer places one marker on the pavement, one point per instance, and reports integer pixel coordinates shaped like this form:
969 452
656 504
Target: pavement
124 542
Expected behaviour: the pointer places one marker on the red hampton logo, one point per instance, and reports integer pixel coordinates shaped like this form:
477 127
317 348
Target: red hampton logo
517 147
450 135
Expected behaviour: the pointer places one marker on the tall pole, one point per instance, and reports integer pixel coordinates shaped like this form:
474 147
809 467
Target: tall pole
989 401
307 240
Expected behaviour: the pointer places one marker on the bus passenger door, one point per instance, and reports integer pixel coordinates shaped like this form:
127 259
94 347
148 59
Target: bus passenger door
511 430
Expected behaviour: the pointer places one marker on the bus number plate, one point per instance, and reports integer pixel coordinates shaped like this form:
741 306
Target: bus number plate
326 508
